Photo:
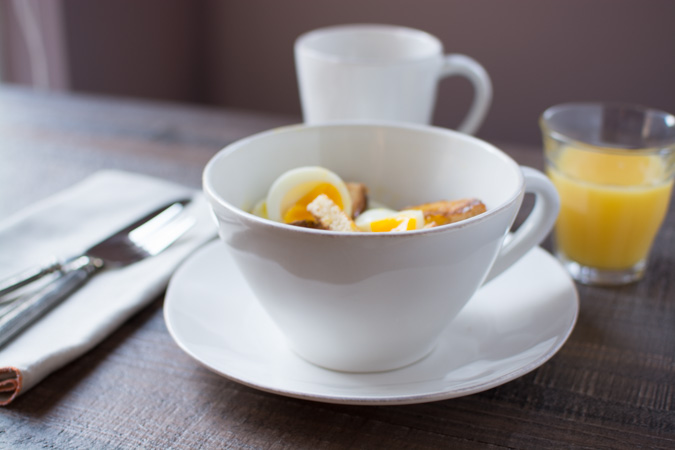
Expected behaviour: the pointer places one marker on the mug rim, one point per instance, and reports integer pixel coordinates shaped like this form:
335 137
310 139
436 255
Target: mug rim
302 43
211 194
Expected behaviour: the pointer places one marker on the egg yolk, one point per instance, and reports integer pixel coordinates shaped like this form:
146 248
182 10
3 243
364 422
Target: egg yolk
298 211
389 223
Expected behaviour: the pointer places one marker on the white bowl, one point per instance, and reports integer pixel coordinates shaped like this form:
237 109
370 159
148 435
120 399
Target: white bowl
374 301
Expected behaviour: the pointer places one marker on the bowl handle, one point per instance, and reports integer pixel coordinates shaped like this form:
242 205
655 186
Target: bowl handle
537 225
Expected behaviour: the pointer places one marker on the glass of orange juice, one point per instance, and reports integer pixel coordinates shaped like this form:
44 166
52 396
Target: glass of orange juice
613 166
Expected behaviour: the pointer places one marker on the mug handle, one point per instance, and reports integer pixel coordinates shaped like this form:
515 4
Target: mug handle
462 65
537 225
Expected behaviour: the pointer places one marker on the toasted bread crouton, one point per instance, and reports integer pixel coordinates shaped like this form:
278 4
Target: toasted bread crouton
306 224
359 194
329 215
445 211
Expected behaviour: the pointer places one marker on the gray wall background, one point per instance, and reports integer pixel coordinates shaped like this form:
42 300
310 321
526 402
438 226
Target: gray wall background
239 53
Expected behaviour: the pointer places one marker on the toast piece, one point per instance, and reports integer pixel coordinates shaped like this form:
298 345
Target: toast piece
306 224
446 211
329 215
359 194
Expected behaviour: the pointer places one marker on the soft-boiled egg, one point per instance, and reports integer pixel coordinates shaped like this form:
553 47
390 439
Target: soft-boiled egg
384 219
290 194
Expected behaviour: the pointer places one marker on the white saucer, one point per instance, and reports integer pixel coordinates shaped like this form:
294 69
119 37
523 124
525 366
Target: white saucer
512 326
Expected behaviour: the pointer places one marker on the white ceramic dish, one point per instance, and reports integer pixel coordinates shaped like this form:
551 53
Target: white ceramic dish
512 326
367 302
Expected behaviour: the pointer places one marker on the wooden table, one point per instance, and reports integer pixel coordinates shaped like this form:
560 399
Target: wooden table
611 385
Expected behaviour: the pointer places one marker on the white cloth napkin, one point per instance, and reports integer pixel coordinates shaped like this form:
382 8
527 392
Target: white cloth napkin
70 222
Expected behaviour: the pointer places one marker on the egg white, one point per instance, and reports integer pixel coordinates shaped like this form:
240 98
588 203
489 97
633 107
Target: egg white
365 220
291 186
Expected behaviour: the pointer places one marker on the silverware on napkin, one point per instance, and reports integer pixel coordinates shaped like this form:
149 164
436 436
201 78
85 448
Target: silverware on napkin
146 237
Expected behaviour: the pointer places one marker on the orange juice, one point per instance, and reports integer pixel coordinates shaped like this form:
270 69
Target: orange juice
612 206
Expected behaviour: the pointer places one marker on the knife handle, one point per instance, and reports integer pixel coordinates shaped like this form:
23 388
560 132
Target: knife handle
28 310
24 278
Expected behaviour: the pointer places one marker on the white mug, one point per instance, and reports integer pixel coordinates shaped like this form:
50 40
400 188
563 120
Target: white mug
383 73
364 302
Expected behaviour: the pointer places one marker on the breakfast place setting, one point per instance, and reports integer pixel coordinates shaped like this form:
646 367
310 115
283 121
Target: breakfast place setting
354 277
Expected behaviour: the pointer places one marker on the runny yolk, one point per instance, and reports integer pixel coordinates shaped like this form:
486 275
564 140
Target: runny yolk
389 223
298 211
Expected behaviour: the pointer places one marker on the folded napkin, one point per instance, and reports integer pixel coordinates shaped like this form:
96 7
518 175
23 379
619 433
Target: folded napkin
70 222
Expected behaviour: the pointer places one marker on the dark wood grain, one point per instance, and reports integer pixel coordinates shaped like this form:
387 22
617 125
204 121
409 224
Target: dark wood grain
612 385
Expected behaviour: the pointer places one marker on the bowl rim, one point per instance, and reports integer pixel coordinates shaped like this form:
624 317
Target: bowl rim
216 200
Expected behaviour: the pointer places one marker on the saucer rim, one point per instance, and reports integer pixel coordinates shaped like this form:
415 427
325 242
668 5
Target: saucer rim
375 400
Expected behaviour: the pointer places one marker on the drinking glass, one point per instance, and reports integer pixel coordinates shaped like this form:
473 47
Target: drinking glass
613 167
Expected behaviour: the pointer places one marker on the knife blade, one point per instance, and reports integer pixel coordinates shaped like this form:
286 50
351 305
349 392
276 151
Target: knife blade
143 238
